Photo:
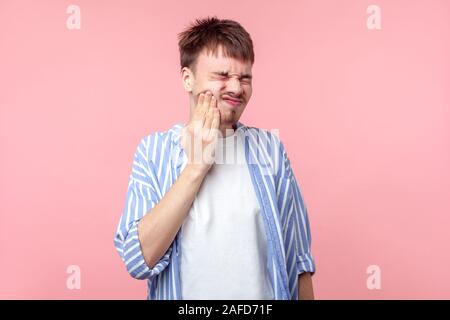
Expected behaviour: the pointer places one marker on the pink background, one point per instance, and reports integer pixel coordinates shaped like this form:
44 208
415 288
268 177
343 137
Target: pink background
364 114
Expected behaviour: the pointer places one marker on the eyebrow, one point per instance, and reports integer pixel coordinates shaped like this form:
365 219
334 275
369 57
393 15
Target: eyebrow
224 73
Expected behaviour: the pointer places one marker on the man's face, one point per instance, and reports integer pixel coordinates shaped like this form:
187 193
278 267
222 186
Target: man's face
229 80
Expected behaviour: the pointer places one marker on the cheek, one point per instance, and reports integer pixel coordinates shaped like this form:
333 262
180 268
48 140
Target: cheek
214 87
248 94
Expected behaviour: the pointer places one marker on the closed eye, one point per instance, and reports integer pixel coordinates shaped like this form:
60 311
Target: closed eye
224 75
221 75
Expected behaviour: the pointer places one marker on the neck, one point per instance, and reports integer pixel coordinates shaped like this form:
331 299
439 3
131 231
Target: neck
227 130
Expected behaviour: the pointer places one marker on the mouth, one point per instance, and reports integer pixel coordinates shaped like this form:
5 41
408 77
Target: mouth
232 102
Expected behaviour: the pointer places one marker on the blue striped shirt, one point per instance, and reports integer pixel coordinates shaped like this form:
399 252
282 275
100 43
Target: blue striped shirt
159 160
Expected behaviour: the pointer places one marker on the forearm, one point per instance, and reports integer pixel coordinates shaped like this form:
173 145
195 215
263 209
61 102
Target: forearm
157 230
305 287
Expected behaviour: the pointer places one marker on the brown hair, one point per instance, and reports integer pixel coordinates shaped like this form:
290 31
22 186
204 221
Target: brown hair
210 33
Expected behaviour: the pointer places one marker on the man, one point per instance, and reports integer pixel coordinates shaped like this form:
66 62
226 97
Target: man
199 228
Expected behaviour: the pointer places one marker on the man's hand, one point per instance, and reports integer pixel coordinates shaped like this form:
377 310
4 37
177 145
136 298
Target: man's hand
156 231
199 137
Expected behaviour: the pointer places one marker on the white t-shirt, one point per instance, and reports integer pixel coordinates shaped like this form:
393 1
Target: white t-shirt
223 239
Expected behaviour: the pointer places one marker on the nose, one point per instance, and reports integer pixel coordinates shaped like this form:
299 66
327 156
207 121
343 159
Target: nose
234 86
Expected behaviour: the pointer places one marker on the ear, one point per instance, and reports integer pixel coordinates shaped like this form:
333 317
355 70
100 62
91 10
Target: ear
187 77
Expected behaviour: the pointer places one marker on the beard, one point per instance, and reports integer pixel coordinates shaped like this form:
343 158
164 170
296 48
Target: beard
228 115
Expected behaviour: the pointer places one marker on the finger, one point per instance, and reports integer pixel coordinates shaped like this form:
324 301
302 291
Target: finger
201 98
208 120
213 132
200 102
207 124
207 101
213 102
198 112
204 108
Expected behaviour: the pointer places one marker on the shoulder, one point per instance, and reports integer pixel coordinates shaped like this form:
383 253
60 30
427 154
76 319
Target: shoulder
154 144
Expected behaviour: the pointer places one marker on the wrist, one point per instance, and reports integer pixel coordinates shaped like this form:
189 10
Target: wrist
196 171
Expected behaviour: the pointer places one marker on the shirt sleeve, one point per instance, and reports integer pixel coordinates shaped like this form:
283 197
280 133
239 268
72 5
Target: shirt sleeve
142 195
297 217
